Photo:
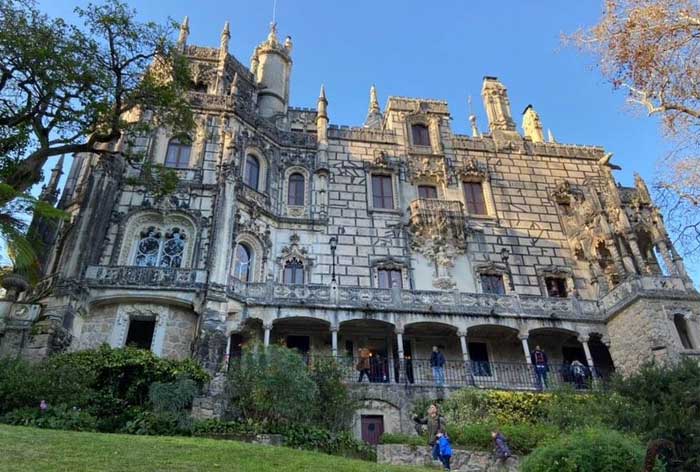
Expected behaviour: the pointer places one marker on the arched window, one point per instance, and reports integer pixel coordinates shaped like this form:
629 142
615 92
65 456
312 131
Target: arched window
420 134
293 272
295 191
683 333
252 171
156 249
243 261
178 155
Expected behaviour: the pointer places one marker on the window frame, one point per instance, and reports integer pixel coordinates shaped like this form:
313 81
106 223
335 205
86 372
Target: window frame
683 330
392 274
298 194
469 204
162 238
250 270
492 276
177 143
246 171
559 280
295 268
419 138
428 186
382 197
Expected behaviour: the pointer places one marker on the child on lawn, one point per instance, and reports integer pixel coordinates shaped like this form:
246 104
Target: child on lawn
445 450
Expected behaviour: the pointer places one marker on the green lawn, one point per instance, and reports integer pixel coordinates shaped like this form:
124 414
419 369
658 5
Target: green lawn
31 449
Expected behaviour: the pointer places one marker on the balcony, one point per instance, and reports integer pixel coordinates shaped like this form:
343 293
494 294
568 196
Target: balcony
460 374
424 210
145 277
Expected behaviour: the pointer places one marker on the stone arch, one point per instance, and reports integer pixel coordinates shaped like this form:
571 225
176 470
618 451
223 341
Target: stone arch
138 222
257 250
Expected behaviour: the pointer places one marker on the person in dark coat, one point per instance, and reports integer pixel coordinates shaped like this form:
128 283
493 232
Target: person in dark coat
578 370
437 362
363 364
435 424
500 445
541 366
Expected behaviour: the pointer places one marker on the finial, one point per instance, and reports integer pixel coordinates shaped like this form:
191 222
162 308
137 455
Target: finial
322 94
472 119
227 30
234 85
50 191
272 35
288 44
532 126
225 36
184 32
373 101
550 136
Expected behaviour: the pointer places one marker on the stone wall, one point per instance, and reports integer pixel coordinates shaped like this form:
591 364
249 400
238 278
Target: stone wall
462 460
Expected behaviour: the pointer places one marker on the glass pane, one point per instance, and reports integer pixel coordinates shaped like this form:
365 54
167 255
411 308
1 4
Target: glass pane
243 260
427 191
252 171
296 190
396 279
173 249
382 191
474 198
421 137
148 249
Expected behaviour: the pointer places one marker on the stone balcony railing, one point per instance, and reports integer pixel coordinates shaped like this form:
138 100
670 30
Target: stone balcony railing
423 211
145 277
396 299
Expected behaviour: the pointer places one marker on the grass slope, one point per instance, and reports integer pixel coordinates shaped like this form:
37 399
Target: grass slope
36 450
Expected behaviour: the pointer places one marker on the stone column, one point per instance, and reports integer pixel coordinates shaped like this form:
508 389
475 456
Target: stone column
693 331
266 338
463 343
228 353
526 347
639 259
399 344
334 340
617 258
583 339
627 260
666 255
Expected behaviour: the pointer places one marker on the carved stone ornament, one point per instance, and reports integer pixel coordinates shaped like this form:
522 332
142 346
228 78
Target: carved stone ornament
470 169
295 252
427 167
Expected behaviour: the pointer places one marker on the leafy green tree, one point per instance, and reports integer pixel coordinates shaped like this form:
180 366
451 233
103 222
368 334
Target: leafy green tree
68 89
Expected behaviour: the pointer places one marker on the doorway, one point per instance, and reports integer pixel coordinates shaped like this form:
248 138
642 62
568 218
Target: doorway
372 428
300 343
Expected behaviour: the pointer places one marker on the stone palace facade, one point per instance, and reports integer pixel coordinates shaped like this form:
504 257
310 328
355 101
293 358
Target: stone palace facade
394 236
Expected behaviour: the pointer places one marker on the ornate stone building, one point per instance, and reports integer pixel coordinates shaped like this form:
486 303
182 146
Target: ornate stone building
394 237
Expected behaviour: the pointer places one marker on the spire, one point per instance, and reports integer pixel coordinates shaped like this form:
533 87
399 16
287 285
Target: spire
374 113
234 85
322 117
322 94
184 33
50 191
497 107
550 136
532 126
225 35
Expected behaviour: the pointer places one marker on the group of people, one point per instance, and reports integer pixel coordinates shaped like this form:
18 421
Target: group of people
375 369
439 441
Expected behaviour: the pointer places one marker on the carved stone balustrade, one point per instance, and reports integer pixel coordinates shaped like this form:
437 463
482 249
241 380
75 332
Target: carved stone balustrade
646 287
424 211
145 277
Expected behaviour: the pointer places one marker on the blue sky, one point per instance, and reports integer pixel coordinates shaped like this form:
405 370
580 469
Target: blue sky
439 49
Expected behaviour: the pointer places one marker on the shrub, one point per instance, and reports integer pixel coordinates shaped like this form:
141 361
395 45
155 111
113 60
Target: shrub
400 438
273 384
662 403
334 404
568 410
589 450
474 406
59 417
523 438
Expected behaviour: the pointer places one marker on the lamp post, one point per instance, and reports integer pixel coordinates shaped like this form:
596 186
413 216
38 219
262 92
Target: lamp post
505 255
334 244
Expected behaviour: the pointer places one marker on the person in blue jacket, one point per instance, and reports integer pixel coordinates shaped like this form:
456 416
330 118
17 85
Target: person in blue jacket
445 449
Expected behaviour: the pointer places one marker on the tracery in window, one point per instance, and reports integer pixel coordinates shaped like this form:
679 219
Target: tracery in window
158 249
293 272
243 261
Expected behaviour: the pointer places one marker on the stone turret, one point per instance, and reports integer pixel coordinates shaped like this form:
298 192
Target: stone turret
497 105
184 34
532 126
49 193
272 67
374 113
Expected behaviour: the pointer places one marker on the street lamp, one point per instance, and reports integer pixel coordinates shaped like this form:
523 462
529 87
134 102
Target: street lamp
334 244
505 255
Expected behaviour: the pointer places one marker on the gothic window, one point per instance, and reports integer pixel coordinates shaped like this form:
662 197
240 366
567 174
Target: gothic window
427 191
178 155
252 171
389 278
382 192
556 287
295 191
420 134
474 200
140 334
493 283
293 272
243 261
156 249
682 327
